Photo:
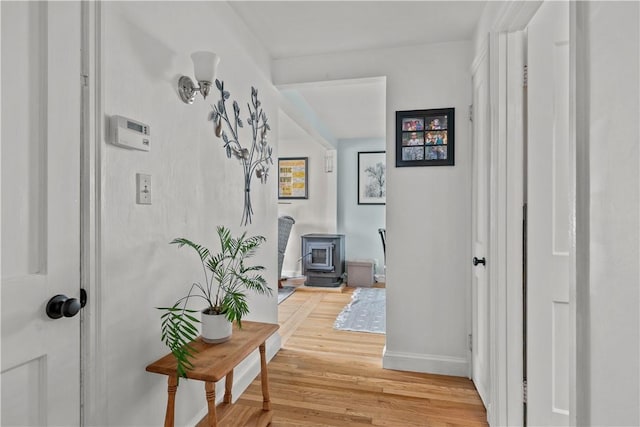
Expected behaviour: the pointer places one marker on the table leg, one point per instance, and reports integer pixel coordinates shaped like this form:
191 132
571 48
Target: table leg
210 388
264 379
228 384
171 401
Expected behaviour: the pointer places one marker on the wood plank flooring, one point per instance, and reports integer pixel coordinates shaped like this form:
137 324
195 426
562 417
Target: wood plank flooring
325 377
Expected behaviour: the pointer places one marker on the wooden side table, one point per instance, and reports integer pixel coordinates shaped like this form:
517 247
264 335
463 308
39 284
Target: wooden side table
212 362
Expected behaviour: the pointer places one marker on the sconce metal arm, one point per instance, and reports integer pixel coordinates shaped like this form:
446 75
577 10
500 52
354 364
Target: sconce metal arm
187 89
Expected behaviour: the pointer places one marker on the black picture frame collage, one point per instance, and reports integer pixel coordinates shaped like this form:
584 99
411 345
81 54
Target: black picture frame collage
425 137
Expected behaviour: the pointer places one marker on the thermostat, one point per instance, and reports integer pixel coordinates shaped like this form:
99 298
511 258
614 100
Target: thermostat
130 133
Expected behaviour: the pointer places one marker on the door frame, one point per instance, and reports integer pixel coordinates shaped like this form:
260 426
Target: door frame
507 173
93 373
506 38
506 211
505 44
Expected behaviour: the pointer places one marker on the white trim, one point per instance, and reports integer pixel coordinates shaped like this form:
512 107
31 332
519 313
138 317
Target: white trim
86 229
290 273
507 197
484 51
0 187
93 345
497 226
243 376
506 200
579 234
427 363
512 370
516 15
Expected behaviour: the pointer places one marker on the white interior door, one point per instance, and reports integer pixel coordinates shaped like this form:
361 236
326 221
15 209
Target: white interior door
548 180
480 229
40 373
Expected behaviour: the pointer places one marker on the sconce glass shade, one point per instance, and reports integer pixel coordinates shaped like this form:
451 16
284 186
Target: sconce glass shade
205 65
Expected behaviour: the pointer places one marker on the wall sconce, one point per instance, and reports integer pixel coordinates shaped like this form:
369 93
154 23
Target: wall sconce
328 162
204 65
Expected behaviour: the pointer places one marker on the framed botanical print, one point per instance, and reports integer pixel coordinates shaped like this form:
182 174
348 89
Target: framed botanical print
372 178
425 137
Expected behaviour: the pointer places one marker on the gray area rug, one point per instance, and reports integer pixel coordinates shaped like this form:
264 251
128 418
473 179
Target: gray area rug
365 313
285 292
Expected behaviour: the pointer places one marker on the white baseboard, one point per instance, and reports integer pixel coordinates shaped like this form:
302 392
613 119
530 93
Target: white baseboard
243 375
291 273
426 363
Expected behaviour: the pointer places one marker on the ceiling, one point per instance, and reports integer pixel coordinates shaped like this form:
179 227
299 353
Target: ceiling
347 108
300 28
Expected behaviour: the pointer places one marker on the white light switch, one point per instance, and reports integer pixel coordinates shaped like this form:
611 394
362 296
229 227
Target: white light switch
143 189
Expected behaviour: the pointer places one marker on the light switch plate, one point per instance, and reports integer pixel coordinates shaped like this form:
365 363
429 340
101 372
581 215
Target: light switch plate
143 189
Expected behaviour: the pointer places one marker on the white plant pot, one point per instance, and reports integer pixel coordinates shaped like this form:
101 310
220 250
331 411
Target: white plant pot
215 328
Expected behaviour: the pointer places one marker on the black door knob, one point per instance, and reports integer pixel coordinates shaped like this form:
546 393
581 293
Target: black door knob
477 261
60 306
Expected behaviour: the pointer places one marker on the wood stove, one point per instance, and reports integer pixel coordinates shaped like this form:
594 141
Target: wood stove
323 259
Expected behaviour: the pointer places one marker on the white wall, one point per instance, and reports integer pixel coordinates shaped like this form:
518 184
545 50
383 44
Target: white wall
317 214
146 46
609 344
359 223
428 208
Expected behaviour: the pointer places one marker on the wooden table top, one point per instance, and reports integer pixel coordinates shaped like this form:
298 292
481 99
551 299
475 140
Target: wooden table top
212 362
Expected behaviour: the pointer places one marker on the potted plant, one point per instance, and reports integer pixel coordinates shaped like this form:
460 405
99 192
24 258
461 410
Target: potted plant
226 279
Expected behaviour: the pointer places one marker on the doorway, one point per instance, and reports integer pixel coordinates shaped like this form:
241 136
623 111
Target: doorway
546 167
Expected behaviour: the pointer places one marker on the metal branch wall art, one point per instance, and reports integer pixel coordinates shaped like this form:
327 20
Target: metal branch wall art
257 158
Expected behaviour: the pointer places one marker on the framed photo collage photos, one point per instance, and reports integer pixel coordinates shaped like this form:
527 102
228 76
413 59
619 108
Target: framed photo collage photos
425 137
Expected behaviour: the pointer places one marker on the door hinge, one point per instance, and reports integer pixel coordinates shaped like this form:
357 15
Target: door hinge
524 391
525 76
471 112
524 250
85 80
470 342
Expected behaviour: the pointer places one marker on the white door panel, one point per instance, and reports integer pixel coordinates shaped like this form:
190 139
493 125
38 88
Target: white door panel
548 180
40 373
480 231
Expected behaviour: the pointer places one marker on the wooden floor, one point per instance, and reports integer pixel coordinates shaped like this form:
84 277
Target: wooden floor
325 377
